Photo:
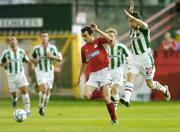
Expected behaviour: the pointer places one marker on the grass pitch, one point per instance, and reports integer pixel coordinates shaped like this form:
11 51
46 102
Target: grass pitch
68 115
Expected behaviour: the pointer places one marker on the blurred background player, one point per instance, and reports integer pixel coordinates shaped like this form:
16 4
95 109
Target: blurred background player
12 60
118 57
43 56
95 56
141 60
168 43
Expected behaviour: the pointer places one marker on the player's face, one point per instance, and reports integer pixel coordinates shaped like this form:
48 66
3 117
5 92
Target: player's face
132 23
44 38
12 41
86 37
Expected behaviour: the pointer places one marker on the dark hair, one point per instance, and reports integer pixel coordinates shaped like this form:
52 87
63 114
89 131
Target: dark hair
43 31
88 29
137 15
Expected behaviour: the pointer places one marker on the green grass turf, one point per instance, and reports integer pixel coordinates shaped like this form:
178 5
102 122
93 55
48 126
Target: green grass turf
68 115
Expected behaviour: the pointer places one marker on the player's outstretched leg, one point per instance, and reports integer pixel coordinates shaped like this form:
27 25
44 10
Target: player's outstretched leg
157 86
109 104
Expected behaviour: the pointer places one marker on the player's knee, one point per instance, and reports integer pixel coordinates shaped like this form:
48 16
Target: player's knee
150 85
87 96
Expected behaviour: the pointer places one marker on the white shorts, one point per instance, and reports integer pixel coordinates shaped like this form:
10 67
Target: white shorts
16 81
45 78
99 78
142 64
117 76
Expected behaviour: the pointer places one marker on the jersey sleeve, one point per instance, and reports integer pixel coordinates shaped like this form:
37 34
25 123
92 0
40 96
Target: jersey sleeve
57 53
127 53
102 40
3 58
25 57
83 57
34 53
145 30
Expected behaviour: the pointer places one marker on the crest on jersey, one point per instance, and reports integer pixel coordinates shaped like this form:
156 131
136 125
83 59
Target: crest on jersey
95 46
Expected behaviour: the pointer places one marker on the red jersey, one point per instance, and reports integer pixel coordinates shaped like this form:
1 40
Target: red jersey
95 55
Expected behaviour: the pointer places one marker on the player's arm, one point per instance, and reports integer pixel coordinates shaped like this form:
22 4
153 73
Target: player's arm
57 56
3 61
83 65
139 23
110 41
82 70
131 6
27 60
34 57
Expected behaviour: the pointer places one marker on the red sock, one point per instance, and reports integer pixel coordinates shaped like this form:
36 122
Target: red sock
111 110
97 94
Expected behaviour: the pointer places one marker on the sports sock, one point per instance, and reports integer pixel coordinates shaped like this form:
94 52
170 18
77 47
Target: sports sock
14 99
159 87
128 91
111 110
41 99
26 101
116 101
46 100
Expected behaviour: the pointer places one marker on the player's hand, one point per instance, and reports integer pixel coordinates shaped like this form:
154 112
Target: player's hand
6 63
94 27
36 60
50 56
131 8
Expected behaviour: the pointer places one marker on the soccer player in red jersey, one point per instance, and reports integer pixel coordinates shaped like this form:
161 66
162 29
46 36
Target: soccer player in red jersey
95 56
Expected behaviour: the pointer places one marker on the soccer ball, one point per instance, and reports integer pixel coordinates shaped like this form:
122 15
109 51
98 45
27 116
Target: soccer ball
19 115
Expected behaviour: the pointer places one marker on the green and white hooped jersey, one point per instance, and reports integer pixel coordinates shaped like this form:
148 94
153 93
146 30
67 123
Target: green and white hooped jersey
45 64
117 55
15 60
140 40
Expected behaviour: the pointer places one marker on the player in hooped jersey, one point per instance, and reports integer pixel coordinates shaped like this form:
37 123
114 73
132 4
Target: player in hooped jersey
12 60
141 60
95 56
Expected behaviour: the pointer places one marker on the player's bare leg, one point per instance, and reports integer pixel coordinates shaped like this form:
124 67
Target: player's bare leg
26 99
109 103
157 86
42 95
115 95
88 91
128 90
14 97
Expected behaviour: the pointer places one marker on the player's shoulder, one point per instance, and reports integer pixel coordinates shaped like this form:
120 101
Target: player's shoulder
99 38
121 45
84 46
6 51
36 47
21 50
52 46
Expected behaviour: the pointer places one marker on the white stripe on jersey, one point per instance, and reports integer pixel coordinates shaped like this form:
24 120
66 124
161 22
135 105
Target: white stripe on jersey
15 59
45 64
